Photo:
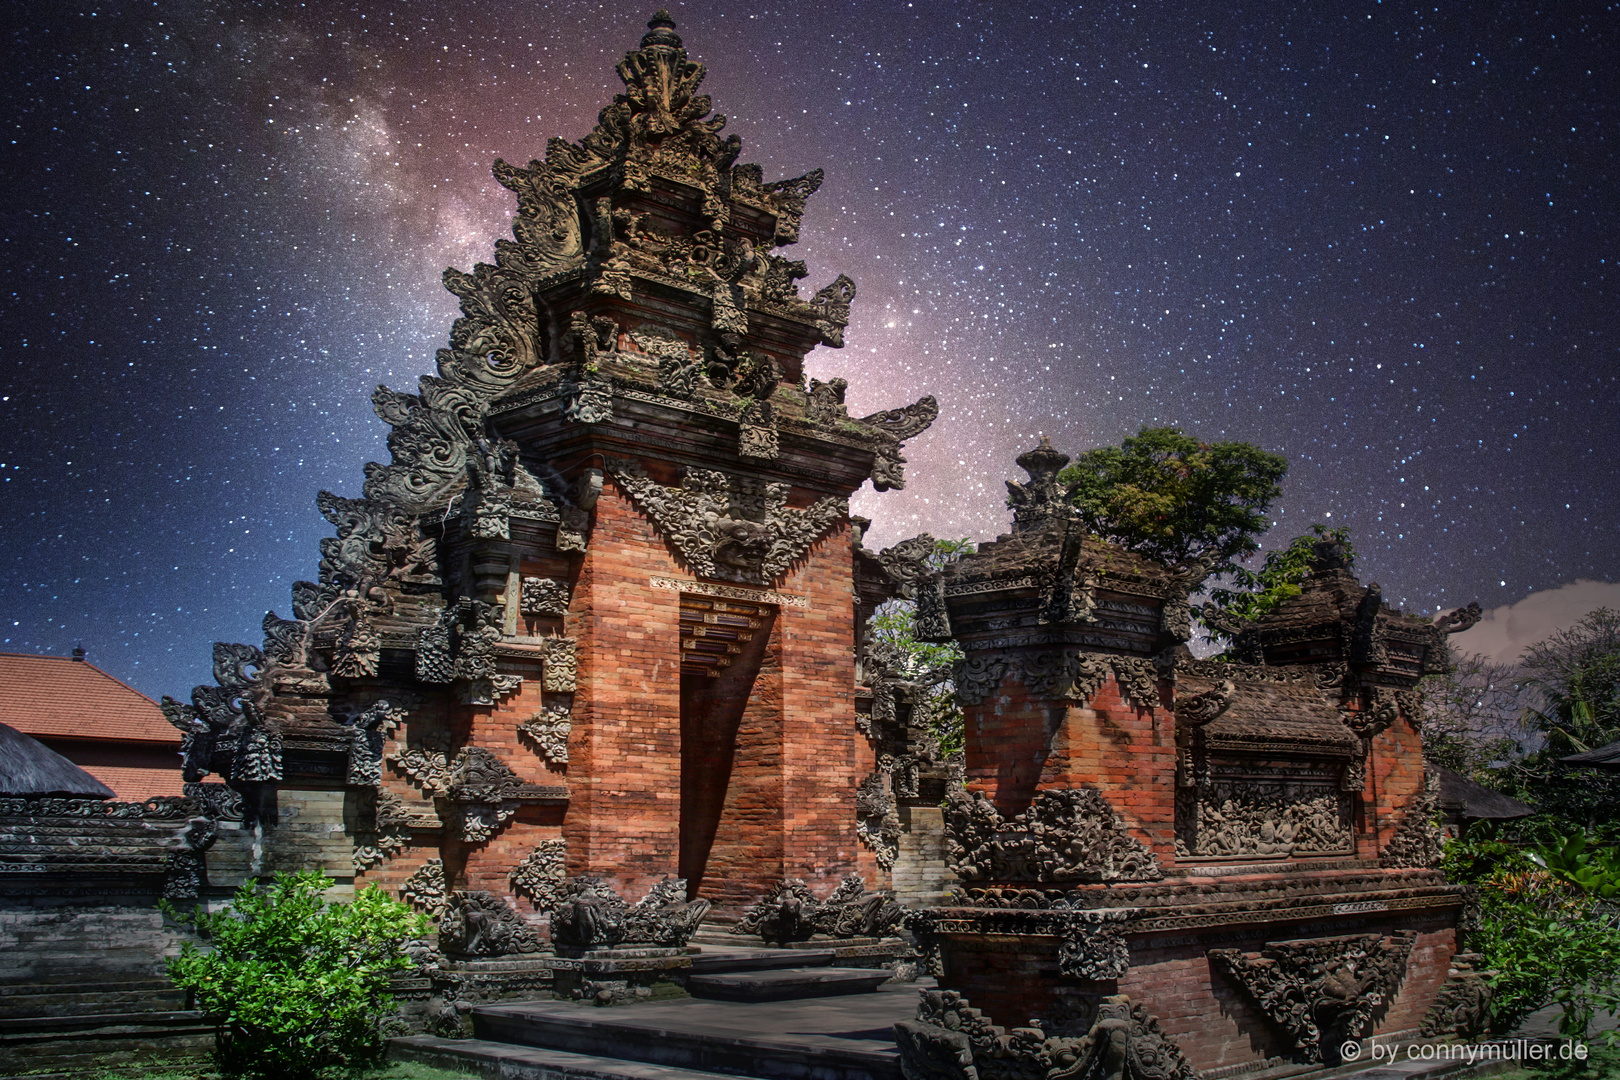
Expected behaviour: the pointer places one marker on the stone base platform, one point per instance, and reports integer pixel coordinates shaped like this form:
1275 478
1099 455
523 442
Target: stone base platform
782 984
836 1038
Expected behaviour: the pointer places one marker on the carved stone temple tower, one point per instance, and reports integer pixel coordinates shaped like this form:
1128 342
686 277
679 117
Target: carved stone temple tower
595 624
1198 865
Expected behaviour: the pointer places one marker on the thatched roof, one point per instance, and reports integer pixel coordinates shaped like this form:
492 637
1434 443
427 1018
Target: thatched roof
30 768
1461 797
1604 757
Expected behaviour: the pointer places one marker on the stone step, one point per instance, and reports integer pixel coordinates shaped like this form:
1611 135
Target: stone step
837 1038
64 1001
783 984
503 1061
714 959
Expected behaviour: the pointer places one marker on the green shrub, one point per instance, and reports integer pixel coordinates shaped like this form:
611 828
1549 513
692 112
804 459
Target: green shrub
295 983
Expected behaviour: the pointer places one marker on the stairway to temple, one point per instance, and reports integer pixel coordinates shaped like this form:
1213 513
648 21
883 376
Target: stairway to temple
772 1014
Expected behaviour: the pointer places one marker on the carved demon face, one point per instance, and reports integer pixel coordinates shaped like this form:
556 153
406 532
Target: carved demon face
741 543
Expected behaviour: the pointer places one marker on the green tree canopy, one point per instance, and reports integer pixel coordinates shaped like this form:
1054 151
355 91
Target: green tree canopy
1174 499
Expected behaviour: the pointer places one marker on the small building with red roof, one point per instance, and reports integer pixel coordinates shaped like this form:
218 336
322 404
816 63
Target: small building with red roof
106 727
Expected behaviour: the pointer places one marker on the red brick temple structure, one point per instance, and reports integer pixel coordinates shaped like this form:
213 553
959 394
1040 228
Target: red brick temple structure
1170 866
583 668
581 659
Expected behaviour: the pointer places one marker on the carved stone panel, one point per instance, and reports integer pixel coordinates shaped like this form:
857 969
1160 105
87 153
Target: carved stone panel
727 527
791 912
482 924
1248 810
1065 835
1321 992
588 914
545 597
541 873
549 729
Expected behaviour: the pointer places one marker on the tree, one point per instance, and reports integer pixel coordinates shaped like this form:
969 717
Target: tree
1472 715
892 639
1254 593
1174 499
293 982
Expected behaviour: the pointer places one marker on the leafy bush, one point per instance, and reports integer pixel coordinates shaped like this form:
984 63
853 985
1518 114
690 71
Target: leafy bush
295 983
1548 926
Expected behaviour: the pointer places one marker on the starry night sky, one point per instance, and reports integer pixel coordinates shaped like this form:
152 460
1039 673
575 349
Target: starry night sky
1378 238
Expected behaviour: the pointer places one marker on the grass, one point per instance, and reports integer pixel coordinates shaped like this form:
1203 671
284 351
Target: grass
393 1070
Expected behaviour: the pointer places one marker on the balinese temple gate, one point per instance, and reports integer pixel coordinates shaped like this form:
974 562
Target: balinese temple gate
582 668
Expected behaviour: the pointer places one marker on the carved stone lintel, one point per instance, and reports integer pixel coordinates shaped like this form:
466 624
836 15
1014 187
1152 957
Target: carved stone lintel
1264 816
1065 835
791 912
1321 992
731 528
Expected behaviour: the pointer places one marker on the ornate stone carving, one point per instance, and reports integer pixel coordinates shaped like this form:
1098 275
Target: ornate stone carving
1041 502
757 441
932 619
560 657
790 912
545 597
1417 841
228 719
368 730
1462 1009
1093 945
824 404
461 644
977 677
549 729
888 466
1321 992
1065 835
486 792
184 877
732 528
541 873
906 563
482 924
1197 710
426 890
589 401
1138 680
1262 815
877 821
589 914
1118 1040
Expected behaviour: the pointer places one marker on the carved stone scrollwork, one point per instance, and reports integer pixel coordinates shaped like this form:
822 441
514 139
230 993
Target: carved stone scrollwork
824 405
906 563
549 730
184 876
1119 1040
368 731
877 820
1381 711
1065 835
790 912
1462 1009
1093 945
977 677
888 466
545 597
730 528
486 792
588 914
482 924
427 890
227 718
1197 710
590 401
1417 841
1321 992
1138 680
541 873
560 657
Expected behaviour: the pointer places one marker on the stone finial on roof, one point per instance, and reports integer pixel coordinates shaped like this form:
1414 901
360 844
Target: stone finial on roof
1043 501
661 31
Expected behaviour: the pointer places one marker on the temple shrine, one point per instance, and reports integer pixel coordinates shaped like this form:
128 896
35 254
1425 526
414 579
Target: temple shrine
584 675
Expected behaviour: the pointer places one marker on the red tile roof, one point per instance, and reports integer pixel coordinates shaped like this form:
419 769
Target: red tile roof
138 785
58 696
